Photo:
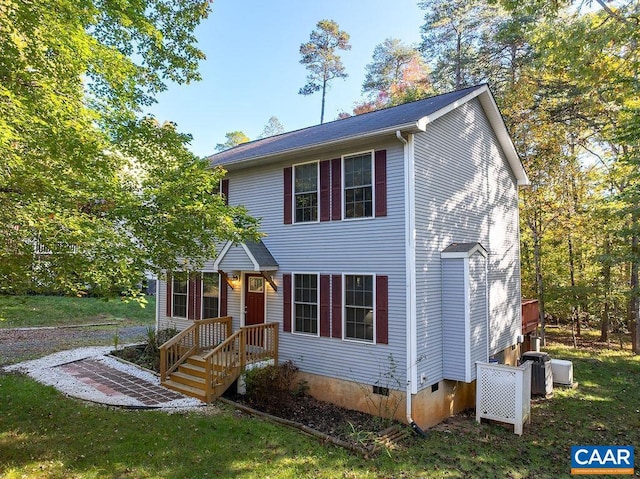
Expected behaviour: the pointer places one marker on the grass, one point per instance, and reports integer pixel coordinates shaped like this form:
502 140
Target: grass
32 311
45 435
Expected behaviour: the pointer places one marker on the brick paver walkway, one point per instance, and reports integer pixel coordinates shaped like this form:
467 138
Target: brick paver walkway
113 382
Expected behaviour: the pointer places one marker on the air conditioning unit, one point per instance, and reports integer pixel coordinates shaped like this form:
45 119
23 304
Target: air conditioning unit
562 372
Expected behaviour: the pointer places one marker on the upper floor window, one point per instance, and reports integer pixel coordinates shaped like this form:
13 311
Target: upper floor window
358 185
358 307
210 295
306 192
179 290
306 303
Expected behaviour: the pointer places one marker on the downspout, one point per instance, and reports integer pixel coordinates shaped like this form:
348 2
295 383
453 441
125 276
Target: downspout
410 251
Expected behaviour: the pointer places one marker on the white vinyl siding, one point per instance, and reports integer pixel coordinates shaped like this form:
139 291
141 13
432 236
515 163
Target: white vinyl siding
465 192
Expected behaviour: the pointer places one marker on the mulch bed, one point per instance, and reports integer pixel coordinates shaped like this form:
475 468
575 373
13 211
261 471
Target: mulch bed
361 431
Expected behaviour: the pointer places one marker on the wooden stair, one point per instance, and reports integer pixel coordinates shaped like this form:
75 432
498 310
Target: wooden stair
190 379
205 371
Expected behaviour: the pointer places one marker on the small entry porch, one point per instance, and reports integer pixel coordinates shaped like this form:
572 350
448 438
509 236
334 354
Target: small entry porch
203 360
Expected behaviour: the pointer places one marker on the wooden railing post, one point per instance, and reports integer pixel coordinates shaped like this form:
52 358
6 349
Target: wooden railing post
163 364
196 337
243 348
275 344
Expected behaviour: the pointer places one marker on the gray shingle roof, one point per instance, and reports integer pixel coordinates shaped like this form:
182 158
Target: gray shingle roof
396 117
262 255
460 247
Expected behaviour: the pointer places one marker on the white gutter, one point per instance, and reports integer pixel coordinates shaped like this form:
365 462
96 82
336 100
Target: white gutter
410 262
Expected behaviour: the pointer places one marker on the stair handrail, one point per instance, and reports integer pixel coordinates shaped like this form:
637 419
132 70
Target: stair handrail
180 356
240 355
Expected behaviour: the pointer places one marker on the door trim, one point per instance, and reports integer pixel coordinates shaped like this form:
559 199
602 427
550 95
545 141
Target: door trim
243 285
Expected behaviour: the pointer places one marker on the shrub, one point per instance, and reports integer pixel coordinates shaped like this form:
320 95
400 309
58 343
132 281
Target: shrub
270 388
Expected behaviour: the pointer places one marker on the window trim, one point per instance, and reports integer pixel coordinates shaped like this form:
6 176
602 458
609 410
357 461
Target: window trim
173 293
202 296
373 308
372 154
293 193
293 304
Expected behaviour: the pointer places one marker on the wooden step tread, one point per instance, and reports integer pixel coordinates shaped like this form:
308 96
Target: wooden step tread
186 376
192 369
184 389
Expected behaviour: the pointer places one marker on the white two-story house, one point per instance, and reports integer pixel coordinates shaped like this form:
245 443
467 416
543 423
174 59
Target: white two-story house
391 261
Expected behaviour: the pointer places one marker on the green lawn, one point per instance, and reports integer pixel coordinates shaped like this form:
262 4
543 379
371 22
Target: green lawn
45 435
30 311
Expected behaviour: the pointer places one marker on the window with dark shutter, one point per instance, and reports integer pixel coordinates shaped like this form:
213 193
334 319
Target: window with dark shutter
358 307
336 306
225 191
305 192
288 192
381 182
336 189
382 309
305 303
169 296
325 305
210 295
325 190
358 185
286 306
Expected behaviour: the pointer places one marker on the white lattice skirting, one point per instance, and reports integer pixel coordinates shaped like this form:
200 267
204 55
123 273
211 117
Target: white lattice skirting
503 393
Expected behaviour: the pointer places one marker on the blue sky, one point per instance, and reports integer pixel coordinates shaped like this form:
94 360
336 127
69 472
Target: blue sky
252 70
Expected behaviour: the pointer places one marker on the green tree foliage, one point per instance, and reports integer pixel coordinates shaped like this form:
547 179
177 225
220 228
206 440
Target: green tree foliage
321 60
397 72
451 37
272 128
566 82
234 138
92 193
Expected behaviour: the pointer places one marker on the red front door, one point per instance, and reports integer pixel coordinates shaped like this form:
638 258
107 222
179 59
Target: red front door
253 299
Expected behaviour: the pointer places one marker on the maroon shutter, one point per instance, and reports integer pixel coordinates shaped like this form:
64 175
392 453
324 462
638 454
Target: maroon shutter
223 296
225 191
336 307
336 189
197 306
286 306
381 182
325 314
169 294
288 195
382 309
325 190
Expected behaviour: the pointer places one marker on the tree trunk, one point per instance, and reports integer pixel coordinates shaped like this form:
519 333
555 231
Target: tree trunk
324 91
606 279
575 308
634 303
537 257
458 63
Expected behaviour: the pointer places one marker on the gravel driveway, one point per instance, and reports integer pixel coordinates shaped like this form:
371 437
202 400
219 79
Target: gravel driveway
17 345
